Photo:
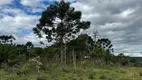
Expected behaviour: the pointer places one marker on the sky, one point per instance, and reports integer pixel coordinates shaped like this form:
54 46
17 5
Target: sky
118 20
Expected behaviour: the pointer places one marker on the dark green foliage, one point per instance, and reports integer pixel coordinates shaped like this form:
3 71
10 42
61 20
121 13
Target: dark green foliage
67 25
122 59
105 44
42 78
92 75
38 51
102 51
82 45
50 52
103 77
10 54
29 45
133 61
5 38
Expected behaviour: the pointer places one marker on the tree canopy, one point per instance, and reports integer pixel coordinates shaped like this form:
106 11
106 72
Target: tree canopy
59 22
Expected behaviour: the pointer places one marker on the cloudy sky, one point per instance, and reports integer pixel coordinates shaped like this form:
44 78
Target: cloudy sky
118 20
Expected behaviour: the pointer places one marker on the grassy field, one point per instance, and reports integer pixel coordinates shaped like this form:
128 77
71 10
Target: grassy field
81 73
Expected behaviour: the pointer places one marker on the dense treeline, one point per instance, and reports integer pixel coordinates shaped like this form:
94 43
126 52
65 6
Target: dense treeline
79 49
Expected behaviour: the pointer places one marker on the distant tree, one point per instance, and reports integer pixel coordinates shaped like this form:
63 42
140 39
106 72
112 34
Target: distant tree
80 47
5 48
60 22
29 45
95 34
102 50
83 44
50 52
105 44
122 59
5 38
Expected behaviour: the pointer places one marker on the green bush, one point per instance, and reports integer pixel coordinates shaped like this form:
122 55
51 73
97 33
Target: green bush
33 65
42 78
91 75
103 77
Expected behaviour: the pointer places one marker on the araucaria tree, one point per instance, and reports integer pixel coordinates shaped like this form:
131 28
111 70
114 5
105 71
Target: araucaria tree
60 22
5 39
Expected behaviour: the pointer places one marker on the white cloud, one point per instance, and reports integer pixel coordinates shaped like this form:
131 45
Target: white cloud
126 13
11 24
12 11
83 7
5 2
33 4
133 54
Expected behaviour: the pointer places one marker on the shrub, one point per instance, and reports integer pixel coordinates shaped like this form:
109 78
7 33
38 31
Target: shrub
140 73
33 65
91 75
103 77
4 66
42 78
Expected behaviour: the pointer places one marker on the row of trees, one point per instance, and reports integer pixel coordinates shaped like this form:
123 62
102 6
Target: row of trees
80 49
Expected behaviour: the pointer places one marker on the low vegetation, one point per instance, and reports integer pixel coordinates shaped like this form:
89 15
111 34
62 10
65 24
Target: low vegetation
81 73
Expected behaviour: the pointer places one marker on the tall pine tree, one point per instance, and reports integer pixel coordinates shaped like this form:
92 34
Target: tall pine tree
60 22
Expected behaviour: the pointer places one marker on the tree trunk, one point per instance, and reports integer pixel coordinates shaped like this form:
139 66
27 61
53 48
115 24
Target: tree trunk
65 54
74 59
81 58
57 58
61 56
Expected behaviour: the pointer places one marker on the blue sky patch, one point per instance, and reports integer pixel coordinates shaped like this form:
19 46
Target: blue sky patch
24 31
